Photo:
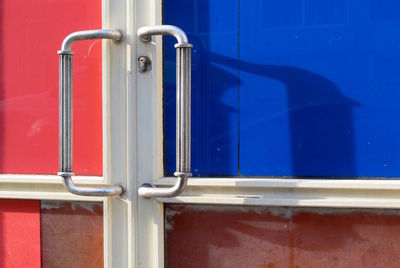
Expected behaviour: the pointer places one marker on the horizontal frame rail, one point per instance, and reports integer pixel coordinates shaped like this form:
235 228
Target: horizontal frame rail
43 187
289 192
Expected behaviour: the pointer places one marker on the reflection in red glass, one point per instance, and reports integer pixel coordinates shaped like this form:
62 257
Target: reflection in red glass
31 32
280 237
72 234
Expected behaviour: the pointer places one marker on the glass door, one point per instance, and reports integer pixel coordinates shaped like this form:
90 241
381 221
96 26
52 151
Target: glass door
42 224
294 134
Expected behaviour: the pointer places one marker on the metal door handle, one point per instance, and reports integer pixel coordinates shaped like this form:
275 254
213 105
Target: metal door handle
65 114
183 104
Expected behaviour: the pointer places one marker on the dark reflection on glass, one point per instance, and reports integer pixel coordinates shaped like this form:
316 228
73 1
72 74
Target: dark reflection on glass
212 29
71 234
60 234
320 119
280 237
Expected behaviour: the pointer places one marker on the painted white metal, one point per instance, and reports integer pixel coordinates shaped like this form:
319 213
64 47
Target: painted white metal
43 189
279 182
117 84
149 227
247 191
47 179
290 192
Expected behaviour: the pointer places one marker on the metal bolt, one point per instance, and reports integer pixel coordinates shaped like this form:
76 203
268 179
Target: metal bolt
144 64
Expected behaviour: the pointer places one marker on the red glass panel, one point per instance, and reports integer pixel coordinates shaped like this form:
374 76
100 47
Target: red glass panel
31 32
19 233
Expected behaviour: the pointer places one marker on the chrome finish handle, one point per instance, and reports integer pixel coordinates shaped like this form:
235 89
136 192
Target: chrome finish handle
65 113
183 105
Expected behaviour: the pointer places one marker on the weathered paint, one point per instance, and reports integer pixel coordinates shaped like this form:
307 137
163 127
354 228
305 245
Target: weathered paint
72 234
227 236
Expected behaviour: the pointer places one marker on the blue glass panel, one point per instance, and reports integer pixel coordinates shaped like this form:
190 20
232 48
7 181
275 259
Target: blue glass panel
281 13
212 29
290 88
321 98
384 10
317 12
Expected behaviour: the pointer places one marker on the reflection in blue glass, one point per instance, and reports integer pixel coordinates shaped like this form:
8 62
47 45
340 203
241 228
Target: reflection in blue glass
212 29
311 90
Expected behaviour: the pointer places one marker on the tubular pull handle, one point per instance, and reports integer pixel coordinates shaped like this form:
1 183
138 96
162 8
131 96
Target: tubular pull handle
183 106
65 113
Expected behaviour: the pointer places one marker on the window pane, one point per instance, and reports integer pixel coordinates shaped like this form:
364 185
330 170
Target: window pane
71 234
280 237
289 88
51 234
19 233
214 85
31 32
